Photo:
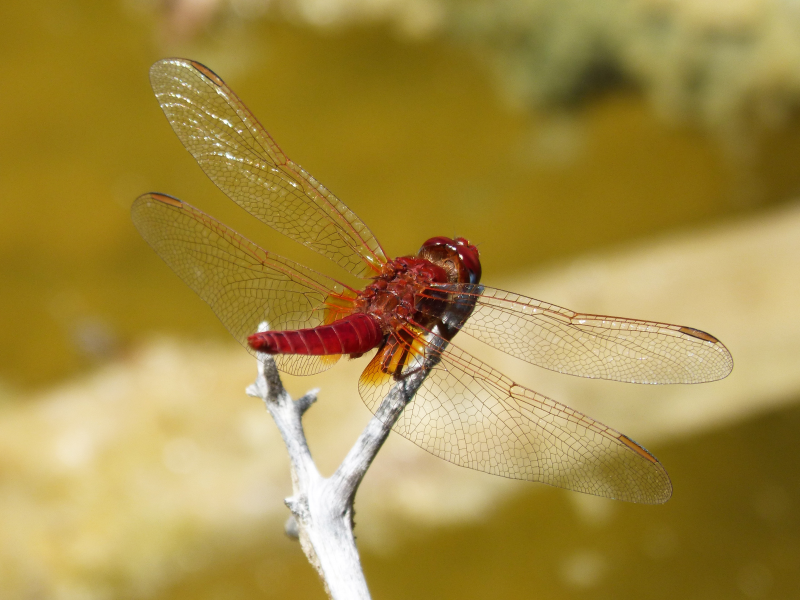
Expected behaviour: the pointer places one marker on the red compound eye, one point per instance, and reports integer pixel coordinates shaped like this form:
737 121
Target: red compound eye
469 258
439 241
466 252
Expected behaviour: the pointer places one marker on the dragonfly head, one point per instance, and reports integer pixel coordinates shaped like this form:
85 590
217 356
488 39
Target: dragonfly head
457 256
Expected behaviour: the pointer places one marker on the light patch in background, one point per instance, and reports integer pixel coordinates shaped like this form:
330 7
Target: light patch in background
593 510
660 542
755 580
584 569
772 502
181 455
74 448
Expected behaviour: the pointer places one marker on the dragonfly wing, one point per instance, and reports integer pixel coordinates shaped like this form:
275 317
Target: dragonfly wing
243 160
244 284
468 413
594 346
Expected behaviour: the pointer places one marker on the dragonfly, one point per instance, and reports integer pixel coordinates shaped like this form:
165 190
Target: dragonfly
408 309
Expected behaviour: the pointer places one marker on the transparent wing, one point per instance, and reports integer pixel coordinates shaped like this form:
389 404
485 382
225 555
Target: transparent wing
245 162
594 346
243 284
468 413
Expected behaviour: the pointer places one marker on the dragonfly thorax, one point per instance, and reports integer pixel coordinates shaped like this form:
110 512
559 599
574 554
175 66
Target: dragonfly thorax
393 296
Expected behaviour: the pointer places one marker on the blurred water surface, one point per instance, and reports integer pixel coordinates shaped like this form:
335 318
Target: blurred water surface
413 132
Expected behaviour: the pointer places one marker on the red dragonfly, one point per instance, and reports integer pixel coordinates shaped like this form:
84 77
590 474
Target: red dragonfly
409 309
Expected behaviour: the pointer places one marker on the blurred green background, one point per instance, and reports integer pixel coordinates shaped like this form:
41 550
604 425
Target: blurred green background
541 130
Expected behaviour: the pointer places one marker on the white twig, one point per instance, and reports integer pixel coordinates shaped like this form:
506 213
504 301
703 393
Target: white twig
322 508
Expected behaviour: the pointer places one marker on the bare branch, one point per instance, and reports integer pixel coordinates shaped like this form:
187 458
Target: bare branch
351 472
322 509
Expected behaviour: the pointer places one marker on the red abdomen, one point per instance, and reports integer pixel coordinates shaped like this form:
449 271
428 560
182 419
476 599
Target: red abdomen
355 334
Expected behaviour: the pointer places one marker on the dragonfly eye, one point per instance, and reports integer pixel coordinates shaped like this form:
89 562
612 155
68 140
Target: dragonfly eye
467 254
438 241
469 258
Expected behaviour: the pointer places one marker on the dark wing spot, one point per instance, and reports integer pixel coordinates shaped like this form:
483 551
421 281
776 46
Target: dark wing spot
637 448
700 335
208 73
167 199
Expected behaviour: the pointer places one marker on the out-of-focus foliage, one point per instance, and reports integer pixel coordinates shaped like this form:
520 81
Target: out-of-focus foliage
733 66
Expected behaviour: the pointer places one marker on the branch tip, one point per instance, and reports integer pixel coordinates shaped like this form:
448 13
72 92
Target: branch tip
304 403
292 504
322 513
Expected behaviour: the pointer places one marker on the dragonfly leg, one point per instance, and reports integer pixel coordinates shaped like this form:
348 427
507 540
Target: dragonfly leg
398 371
407 374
